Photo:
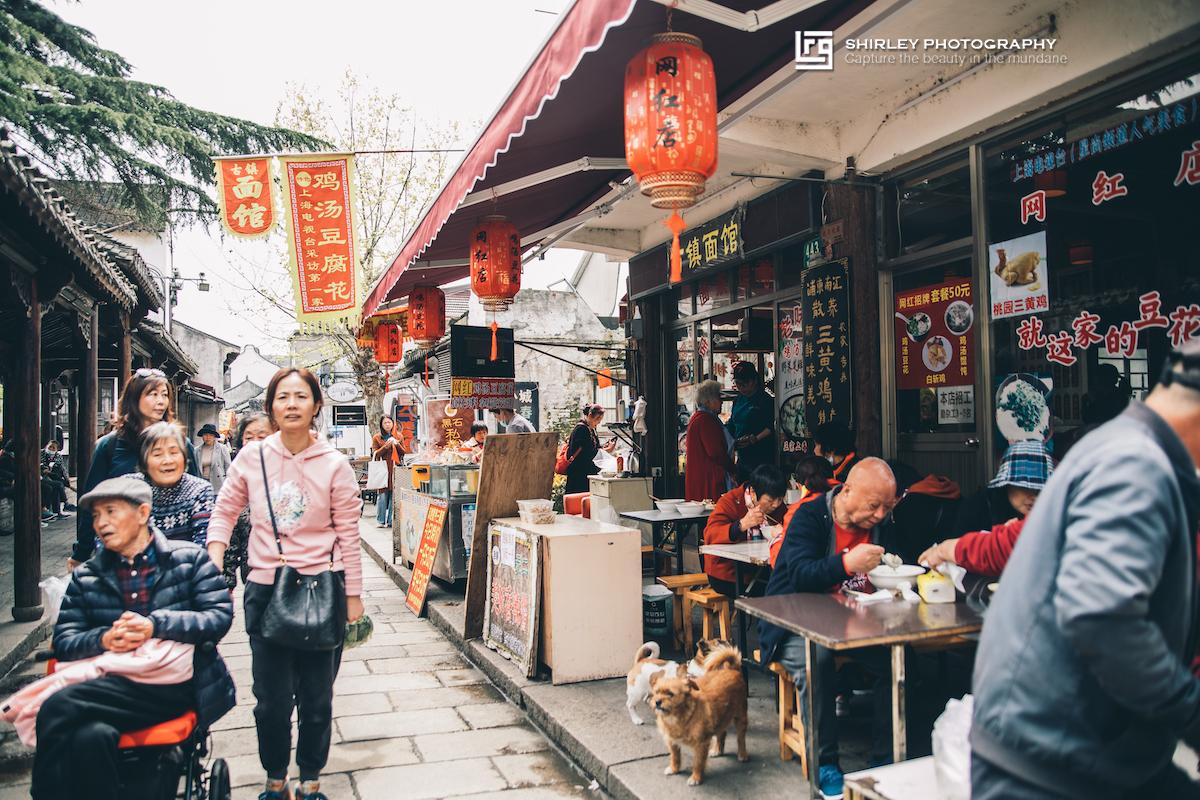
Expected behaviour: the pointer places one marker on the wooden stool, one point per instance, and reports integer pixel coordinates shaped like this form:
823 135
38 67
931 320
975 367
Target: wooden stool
791 719
679 584
715 609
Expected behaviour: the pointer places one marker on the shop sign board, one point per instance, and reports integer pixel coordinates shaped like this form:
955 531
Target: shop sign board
935 336
813 253
513 589
478 382
446 425
482 393
826 344
789 382
431 539
956 405
1020 276
527 401
343 392
349 416
716 243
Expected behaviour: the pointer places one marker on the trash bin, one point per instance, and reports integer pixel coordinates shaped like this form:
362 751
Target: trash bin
656 611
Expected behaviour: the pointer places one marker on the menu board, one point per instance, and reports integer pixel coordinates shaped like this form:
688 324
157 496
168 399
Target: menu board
431 539
511 611
826 352
789 384
935 336
447 426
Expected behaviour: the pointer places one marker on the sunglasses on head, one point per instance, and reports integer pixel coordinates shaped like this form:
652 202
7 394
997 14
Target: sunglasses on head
148 372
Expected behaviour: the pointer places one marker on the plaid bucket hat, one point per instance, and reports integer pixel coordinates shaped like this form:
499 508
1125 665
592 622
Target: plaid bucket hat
1025 464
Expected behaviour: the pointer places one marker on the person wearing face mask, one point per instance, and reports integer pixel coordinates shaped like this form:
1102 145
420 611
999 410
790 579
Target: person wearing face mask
1023 472
832 542
834 442
740 514
145 400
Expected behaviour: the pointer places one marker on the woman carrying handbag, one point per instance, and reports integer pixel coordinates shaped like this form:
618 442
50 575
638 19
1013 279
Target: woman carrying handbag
305 580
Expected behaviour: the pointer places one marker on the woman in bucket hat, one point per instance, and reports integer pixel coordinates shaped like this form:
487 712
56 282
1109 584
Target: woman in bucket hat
1023 472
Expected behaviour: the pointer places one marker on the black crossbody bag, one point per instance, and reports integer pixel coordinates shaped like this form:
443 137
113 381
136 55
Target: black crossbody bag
306 612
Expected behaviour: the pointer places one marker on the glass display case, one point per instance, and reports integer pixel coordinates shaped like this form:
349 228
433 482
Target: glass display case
453 481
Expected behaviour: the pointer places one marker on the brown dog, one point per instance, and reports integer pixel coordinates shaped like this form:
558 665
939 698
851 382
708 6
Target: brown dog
697 711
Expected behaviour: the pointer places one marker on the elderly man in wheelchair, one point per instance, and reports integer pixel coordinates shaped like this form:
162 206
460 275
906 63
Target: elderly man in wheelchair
139 587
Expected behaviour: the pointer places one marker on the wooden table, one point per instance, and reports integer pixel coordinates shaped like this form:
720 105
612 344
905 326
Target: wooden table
839 622
658 520
756 554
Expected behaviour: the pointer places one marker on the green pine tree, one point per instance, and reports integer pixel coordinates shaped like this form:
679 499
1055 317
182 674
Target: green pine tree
74 101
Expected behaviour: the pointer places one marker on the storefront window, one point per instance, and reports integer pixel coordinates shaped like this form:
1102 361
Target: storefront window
685 392
713 292
756 279
685 295
934 339
929 210
1091 229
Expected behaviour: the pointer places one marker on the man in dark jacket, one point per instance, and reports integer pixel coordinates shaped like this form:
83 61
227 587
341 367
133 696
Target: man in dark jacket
140 586
1082 686
829 543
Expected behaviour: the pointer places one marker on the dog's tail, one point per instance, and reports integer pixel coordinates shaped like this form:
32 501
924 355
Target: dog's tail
648 650
724 657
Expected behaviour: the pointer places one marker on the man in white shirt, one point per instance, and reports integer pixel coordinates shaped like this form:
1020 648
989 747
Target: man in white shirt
512 421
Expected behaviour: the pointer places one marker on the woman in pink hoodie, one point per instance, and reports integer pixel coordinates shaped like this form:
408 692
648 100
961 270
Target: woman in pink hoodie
316 501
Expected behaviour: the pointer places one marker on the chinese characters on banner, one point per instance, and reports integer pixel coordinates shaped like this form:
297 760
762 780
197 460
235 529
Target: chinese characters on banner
1020 276
245 195
1152 123
527 401
1181 325
789 383
935 336
318 201
714 244
826 353
482 393
431 539
447 427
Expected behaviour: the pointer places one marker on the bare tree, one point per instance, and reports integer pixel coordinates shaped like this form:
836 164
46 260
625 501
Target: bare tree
392 191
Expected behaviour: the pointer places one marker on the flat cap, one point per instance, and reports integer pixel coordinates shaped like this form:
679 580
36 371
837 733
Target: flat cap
135 490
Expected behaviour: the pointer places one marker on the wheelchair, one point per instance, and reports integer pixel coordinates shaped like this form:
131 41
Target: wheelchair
154 759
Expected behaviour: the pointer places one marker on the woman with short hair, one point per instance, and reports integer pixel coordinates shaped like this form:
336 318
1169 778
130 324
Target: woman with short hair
182 503
710 470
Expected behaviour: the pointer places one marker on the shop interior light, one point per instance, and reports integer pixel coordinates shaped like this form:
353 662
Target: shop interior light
1053 183
1080 253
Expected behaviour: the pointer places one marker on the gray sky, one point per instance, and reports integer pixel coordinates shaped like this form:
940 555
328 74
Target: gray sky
451 61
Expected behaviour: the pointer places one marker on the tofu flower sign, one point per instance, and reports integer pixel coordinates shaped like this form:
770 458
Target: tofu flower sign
318 208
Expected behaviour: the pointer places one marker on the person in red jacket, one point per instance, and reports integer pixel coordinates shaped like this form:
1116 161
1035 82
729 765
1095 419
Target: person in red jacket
741 513
982 552
710 470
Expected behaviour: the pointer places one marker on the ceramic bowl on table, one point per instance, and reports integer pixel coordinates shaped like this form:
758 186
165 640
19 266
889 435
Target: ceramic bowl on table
690 509
667 506
885 577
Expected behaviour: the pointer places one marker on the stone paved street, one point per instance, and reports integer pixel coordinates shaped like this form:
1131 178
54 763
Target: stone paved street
412 719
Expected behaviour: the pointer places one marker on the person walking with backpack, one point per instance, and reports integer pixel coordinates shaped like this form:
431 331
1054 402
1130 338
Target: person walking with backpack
305 580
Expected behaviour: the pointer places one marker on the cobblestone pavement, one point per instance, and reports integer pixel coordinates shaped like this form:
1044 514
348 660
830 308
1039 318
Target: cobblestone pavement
412 719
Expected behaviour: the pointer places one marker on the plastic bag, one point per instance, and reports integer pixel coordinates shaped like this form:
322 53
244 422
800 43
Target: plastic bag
952 750
606 461
377 474
54 589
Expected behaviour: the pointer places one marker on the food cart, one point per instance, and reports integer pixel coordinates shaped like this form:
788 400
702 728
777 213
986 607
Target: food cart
455 486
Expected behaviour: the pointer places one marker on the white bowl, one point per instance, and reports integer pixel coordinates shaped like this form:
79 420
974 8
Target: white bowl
667 506
885 577
690 509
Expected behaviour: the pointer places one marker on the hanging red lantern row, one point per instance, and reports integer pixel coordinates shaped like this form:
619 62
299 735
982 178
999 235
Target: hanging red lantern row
671 126
426 315
495 266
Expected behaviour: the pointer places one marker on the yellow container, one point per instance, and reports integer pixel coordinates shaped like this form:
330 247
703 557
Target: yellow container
420 474
934 587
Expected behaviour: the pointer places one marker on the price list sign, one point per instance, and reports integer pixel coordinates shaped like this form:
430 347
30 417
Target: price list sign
827 371
510 623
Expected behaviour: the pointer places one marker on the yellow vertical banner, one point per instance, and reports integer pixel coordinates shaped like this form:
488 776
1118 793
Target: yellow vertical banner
245 196
318 204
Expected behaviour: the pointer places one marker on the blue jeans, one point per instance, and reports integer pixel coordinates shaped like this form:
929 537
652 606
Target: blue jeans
383 507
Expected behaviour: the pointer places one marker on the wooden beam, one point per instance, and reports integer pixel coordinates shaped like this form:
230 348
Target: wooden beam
88 387
125 346
27 541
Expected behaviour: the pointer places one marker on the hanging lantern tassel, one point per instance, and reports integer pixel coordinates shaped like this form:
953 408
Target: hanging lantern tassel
385 381
677 226
495 354
426 370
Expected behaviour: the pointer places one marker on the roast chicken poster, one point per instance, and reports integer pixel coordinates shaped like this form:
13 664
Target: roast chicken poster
1020 277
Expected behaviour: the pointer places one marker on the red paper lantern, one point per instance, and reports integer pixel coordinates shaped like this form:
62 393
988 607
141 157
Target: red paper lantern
495 262
671 125
426 315
389 345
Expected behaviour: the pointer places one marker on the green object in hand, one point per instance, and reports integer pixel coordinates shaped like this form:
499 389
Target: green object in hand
359 631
